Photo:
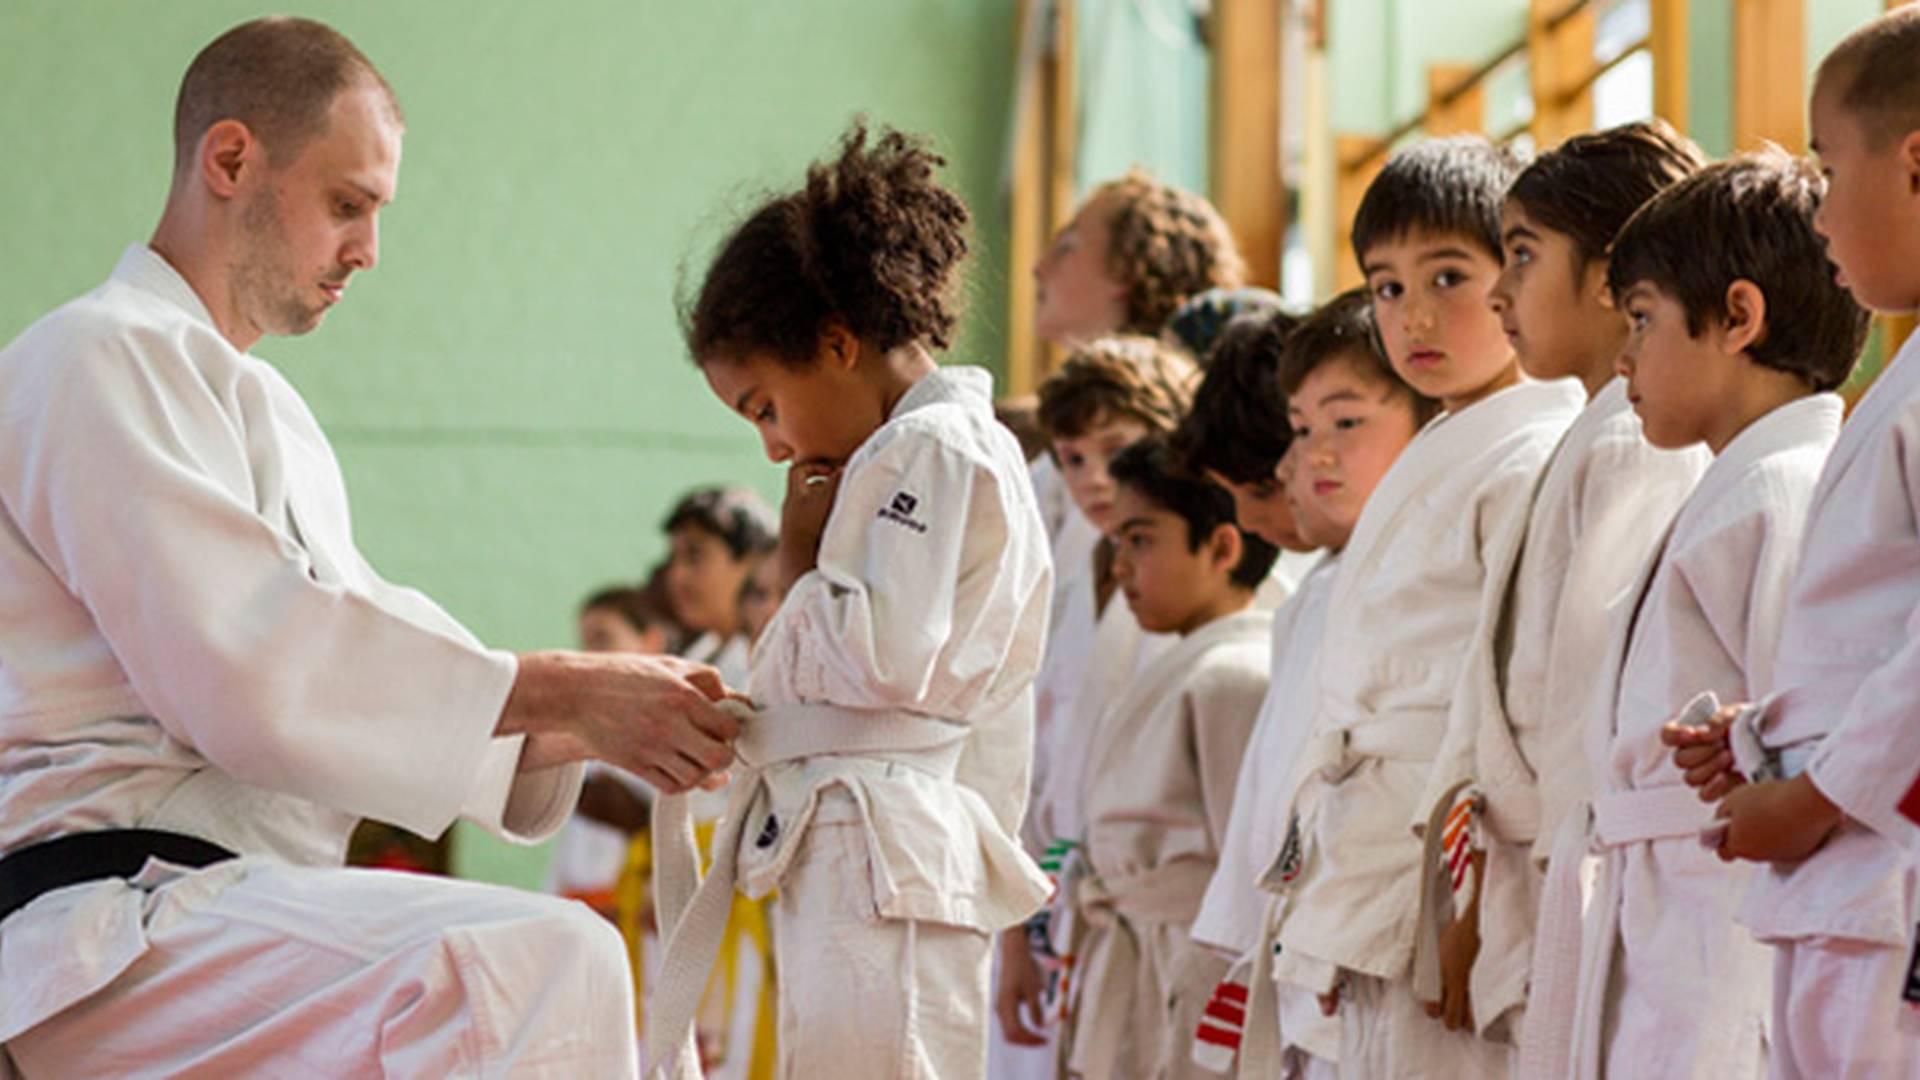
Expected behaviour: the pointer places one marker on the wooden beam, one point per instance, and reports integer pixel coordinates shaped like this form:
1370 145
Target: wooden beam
1898 327
1456 101
1063 127
1248 185
1350 186
1026 217
1042 200
1668 42
1063 139
1769 74
1559 61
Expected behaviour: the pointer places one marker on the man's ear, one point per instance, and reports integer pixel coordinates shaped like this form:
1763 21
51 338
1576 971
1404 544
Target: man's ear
1746 322
228 152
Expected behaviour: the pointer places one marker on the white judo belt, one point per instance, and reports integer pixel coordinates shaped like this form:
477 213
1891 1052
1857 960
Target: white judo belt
1570 966
1411 735
693 909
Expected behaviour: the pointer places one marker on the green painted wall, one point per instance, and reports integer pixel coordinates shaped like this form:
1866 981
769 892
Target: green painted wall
1144 84
1710 75
507 391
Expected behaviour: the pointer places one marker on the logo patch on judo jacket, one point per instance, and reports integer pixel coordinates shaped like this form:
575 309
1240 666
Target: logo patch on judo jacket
900 511
1292 854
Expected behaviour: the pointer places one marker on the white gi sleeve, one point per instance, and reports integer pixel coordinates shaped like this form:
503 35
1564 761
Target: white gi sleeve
136 487
1866 762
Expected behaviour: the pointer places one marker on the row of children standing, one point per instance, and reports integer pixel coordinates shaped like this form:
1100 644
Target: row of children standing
1574 460
1580 478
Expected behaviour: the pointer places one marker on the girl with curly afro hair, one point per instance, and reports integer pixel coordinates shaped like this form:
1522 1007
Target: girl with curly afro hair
880 784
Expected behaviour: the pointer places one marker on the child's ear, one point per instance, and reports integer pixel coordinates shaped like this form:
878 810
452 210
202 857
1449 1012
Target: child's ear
1909 157
1225 547
1595 279
839 347
1746 317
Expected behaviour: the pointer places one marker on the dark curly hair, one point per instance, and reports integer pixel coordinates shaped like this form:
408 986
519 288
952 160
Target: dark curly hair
1166 245
873 241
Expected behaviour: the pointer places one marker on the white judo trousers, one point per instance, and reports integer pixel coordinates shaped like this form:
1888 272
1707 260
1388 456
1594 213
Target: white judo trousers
194 644
866 996
256 968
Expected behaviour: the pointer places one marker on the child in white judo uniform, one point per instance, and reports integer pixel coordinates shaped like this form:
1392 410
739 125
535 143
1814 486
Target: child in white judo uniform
1356 396
1408 596
1737 346
1109 394
881 784
1161 767
1835 892
1514 758
1134 251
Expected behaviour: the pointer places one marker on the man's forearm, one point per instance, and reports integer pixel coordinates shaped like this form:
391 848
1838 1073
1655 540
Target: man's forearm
538 708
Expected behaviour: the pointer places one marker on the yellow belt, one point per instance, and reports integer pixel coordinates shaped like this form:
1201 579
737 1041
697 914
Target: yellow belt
747 919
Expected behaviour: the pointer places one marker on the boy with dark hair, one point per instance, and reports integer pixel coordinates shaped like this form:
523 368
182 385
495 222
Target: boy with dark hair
1427 235
716 536
1348 416
1161 770
1734 344
1835 892
1237 431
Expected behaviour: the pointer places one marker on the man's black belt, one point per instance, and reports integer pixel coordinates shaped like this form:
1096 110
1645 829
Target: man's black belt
37 869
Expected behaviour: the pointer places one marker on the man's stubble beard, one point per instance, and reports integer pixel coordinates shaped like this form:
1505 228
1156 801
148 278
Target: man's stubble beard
262 284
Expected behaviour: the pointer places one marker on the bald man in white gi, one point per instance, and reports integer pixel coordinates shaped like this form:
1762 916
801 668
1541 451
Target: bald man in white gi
204 686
